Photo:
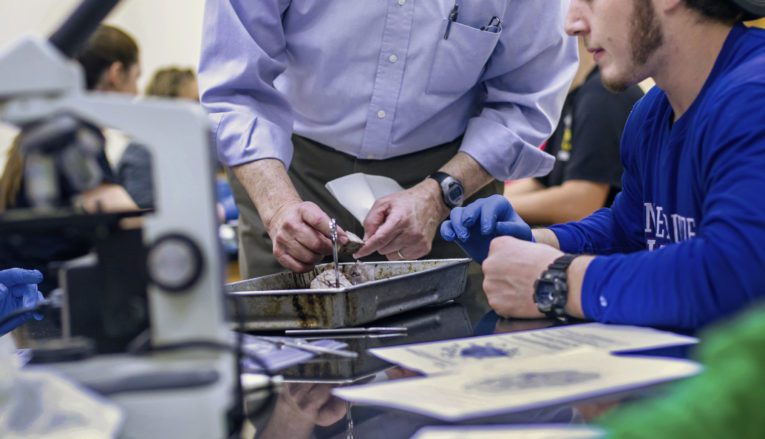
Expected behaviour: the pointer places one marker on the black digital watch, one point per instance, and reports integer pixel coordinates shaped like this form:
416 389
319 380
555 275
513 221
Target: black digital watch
551 289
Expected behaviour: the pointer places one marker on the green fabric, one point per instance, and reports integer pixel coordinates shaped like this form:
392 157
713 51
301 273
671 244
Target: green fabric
727 400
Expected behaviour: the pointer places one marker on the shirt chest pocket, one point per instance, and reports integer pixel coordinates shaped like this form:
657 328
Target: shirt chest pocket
461 58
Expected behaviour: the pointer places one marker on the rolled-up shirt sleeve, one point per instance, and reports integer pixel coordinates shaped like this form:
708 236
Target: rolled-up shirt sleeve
526 83
243 51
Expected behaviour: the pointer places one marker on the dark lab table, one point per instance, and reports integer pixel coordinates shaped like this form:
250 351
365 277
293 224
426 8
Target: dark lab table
305 407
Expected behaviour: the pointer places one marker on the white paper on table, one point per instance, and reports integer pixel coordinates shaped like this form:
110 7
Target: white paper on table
500 386
452 354
358 192
514 431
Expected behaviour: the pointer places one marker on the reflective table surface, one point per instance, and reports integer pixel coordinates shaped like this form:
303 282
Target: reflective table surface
306 408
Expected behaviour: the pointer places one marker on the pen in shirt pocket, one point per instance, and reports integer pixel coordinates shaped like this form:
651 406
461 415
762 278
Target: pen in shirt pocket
452 18
494 26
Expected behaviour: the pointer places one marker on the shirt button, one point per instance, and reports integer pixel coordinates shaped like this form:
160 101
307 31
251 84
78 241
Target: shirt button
381 114
603 301
401 2
393 58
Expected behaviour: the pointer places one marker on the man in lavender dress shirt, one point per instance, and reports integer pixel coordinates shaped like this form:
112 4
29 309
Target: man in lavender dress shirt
301 92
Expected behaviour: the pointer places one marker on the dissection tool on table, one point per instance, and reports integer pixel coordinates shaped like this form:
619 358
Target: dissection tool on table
333 234
343 331
305 346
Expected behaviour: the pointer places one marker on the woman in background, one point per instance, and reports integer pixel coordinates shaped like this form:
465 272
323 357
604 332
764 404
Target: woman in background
110 62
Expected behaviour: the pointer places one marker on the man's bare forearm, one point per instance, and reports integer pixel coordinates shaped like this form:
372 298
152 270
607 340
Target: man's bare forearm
572 201
522 187
468 171
268 186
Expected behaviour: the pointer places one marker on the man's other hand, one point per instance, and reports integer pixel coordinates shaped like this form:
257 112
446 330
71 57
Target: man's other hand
402 225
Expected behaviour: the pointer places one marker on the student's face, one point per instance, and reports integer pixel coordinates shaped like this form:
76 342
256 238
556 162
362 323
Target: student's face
621 35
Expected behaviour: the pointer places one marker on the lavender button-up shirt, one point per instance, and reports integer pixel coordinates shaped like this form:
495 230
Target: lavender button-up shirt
378 78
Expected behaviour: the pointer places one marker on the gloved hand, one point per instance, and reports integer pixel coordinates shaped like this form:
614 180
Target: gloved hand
18 289
475 225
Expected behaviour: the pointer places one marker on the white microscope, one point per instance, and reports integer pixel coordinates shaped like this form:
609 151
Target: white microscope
186 384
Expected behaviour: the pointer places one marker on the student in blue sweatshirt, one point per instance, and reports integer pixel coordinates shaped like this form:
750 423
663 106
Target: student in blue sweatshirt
684 242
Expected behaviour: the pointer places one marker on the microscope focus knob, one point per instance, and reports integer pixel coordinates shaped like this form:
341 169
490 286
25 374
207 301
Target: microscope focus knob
174 263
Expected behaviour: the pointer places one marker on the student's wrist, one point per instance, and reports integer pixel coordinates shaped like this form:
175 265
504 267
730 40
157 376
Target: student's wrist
545 236
575 275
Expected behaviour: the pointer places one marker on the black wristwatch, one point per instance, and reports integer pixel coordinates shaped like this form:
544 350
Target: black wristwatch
551 289
451 189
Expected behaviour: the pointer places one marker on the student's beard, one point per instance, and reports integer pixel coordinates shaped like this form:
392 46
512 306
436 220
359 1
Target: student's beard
646 37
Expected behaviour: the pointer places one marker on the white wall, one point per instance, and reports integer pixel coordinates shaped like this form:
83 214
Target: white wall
167 32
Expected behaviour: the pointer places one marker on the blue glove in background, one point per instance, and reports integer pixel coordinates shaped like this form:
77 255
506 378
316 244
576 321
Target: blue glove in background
475 225
226 199
18 289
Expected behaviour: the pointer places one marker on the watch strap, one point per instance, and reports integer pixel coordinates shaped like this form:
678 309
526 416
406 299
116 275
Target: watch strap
439 176
562 263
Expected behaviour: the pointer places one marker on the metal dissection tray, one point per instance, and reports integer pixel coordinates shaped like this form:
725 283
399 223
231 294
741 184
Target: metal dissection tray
284 300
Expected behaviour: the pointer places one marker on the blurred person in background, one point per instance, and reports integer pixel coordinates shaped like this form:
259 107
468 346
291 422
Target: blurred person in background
174 82
110 61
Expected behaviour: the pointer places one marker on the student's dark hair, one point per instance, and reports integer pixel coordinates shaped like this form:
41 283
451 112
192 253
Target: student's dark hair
107 46
724 11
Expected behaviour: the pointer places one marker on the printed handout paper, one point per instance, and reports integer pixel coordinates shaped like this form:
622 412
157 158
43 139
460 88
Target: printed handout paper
500 386
452 354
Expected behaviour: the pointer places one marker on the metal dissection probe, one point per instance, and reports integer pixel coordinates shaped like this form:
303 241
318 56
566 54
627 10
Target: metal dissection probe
333 234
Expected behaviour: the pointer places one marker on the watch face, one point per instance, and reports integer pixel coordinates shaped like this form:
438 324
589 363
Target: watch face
545 295
453 192
456 193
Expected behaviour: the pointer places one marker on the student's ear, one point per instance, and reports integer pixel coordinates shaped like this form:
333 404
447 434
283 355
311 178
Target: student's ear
115 75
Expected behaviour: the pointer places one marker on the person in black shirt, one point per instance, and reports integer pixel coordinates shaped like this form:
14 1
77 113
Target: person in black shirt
587 172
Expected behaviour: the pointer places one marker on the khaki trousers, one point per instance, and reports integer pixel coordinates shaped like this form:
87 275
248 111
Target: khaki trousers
313 165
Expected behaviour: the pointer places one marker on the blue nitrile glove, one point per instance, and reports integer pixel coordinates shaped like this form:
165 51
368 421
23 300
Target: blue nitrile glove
18 289
475 225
